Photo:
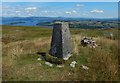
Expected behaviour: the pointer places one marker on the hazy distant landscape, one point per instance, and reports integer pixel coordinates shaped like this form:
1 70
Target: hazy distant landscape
74 22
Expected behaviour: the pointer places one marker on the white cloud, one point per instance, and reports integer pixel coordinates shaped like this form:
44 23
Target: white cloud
74 11
46 11
17 11
71 12
97 11
68 12
79 5
31 8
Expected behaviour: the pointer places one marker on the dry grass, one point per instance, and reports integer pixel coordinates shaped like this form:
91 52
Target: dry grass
26 47
103 59
20 60
76 42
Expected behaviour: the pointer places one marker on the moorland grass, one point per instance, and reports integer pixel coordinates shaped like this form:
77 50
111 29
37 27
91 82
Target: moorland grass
21 44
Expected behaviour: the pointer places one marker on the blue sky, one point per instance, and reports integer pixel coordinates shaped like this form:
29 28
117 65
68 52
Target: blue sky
60 9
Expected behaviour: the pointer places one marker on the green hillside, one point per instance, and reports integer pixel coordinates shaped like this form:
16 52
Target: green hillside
21 45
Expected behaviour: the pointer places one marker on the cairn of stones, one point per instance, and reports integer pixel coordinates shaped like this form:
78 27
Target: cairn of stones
88 42
61 41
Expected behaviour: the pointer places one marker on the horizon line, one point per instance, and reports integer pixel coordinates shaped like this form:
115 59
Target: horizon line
60 17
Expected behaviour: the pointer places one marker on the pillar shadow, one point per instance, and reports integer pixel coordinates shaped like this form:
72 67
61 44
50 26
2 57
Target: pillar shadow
42 53
48 58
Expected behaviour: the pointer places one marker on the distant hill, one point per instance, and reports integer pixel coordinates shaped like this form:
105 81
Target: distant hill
48 21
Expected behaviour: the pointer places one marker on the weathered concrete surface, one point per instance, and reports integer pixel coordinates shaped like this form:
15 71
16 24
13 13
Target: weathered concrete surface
61 41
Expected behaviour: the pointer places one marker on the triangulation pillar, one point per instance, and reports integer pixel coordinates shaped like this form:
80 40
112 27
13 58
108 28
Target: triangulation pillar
61 41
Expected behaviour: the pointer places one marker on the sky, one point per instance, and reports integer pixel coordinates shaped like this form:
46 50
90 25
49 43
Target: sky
60 0
60 9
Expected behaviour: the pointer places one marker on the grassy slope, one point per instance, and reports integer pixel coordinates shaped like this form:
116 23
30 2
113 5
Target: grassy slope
20 45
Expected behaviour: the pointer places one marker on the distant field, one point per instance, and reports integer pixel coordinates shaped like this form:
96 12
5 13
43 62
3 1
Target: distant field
20 46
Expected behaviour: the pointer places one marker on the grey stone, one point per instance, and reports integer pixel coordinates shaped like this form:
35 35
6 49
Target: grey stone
61 41
49 64
85 67
39 59
73 63
60 66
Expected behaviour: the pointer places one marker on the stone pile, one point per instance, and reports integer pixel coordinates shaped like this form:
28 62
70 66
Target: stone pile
88 42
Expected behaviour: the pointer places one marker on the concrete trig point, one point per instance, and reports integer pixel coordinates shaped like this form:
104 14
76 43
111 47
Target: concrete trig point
61 41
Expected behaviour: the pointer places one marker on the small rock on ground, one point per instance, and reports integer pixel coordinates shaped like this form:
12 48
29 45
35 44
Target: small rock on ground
60 66
85 67
73 64
39 59
49 64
